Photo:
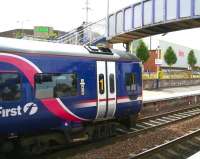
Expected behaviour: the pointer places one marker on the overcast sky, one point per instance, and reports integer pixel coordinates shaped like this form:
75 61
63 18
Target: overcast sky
68 14
60 14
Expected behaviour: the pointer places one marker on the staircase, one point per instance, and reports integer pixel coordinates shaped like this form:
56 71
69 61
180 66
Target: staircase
86 34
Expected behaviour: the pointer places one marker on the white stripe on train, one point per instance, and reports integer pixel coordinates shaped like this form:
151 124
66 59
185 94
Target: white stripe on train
94 104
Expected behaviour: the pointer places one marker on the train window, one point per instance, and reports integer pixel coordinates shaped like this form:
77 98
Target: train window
54 85
130 82
10 87
112 83
101 84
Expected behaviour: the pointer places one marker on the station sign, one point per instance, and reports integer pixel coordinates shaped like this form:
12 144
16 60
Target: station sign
42 29
43 32
158 61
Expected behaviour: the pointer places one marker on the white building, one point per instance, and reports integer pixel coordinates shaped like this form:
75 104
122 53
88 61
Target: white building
181 53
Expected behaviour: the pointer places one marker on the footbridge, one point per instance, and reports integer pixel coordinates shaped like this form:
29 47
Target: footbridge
151 17
143 19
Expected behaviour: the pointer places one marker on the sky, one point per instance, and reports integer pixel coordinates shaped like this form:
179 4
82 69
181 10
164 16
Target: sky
60 14
68 14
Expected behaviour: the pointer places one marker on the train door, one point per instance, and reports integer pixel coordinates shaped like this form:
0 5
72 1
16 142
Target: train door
106 90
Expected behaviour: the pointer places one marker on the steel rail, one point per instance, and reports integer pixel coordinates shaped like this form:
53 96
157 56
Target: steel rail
167 113
140 128
161 120
189 143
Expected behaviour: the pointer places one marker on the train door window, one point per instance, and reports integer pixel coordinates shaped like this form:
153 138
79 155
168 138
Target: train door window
101 84
130 82
112 83
10 87
55 85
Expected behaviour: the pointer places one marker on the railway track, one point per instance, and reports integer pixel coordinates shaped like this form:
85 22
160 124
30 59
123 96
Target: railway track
168 113
142 126
180 148
148 123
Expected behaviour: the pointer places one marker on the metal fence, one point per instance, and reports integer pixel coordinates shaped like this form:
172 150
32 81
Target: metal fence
86 34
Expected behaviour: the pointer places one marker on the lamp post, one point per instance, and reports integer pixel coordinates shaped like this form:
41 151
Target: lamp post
21 22
150 42
158 60
158 66
107 17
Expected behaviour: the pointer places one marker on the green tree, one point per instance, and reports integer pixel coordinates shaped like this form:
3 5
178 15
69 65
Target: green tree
142 52
191 59
19 34
170 58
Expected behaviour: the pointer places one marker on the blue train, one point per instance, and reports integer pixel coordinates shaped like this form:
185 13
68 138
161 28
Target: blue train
48 88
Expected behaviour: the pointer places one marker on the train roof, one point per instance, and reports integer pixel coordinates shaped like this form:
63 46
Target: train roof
11 45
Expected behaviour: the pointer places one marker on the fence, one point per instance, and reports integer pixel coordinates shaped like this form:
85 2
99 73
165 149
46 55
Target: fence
172 75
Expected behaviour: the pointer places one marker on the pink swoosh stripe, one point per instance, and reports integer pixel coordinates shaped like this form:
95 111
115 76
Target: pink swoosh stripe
24 67
55 106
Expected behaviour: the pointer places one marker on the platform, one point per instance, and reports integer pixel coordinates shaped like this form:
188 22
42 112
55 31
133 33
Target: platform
195 156
170 93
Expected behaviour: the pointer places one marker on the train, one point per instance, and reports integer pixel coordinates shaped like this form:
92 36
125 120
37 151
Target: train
52 92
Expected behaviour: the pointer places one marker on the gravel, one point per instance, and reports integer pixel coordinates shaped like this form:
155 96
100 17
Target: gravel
134 144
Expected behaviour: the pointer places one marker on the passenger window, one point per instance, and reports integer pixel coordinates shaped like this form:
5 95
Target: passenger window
130 82
10 87
55 85
112 83
101 84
